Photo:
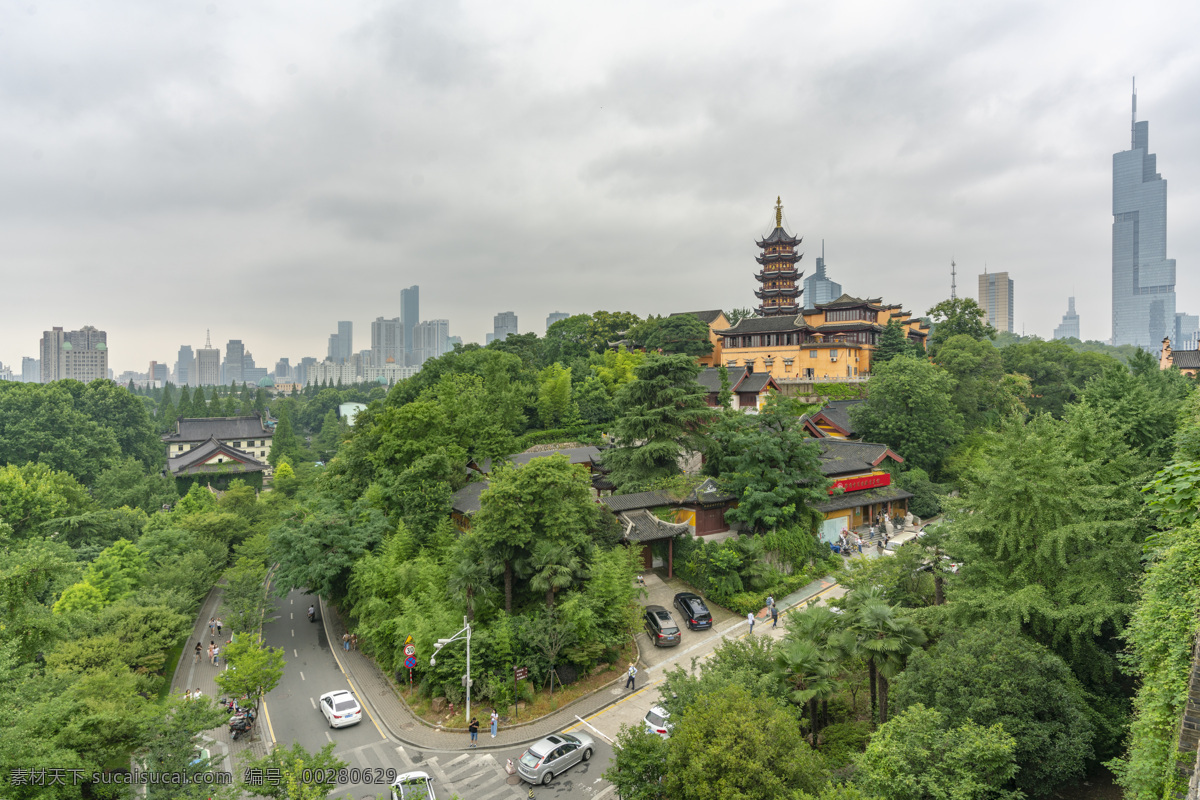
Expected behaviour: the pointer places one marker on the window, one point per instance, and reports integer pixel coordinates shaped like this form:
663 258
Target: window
812 353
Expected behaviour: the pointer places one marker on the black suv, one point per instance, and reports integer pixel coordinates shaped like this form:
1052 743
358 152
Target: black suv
695 614
662 629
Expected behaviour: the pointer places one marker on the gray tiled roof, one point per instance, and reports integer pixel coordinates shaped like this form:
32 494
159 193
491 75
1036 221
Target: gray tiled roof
224 428
636 500
643 526
1186 359
707 317
710 378
707 492
855 499
466 499
780 236
839 457
786 323
846 301
838 412
754 382
192 461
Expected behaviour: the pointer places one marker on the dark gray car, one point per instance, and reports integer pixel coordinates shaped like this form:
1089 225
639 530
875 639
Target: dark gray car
661 628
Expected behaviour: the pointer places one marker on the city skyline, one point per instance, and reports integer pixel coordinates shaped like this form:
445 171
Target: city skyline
189 147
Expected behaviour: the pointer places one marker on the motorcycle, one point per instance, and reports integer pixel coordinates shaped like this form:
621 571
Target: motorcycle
312 616
241 723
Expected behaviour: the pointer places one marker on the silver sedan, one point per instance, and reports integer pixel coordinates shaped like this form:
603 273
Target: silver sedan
551 756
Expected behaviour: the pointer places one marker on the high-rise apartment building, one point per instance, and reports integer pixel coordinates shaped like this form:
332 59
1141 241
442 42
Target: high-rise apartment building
1143 278
31 370
158 374
302 370
996 299
410 316
554 317
504 325
817 287
387 342
1069 329
80 355
283 370
185 369
234 368
208 363
432 339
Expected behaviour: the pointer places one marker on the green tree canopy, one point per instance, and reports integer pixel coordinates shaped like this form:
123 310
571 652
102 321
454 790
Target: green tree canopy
957 316
995 676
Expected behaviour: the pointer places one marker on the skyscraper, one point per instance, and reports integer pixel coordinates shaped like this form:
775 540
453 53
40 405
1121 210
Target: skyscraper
387 341
1143 278
432 340
208 363
410 315
185 370
80 355
554 317
817 287
1187 332
341 344
31 370
1069 329
283 370
996 298
234 368
504 324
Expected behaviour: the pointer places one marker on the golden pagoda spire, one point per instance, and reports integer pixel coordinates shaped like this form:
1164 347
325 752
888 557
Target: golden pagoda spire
778 212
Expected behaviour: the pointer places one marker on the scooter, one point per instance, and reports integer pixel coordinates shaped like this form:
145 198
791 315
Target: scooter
312 616
241 723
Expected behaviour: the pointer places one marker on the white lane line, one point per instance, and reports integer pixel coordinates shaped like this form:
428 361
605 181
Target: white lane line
301 676
327 736
291 615
314 702
293 633
294 653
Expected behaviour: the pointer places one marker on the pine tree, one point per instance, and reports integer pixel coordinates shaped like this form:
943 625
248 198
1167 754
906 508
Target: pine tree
185 402
214 404
893 342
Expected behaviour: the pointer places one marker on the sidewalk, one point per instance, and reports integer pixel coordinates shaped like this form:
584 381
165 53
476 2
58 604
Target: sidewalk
192 675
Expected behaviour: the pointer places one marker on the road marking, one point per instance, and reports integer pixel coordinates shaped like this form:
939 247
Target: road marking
314 702
327 736
291 615
364 708
294 653
267 717
301 675
293 633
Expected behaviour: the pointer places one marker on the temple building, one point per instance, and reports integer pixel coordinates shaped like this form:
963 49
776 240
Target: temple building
778 293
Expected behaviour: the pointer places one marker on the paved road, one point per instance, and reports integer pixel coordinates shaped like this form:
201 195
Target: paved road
312 670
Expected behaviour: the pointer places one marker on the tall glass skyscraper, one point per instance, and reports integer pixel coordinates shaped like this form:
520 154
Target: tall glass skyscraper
1143 278
817 287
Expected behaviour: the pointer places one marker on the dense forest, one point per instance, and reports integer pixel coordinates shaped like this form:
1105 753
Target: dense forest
1063 480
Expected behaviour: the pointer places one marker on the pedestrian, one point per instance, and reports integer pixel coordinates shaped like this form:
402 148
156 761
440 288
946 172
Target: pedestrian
212 622
196 660
770 601
218 626
354 641
495 722
750 619
474 729
196 694
346 642
210 653
886 539
187 695
858 541
631 675
774 616
216 655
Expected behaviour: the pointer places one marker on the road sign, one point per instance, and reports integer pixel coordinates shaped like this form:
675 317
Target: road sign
410 650
410 662
520 673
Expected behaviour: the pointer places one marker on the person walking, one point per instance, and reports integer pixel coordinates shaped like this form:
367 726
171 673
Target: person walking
750 619
474 729
770 601
858 541
218 626
312 613
196 660
495 722
216 656
774 616
210 653
346 642
354 641
212 622
631 677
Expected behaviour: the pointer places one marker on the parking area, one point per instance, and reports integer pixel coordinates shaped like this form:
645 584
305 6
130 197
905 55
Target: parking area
661 592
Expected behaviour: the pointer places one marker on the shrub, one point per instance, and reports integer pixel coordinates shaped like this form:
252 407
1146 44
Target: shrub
841 741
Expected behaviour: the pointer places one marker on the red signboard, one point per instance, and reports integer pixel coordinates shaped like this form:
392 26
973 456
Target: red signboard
520 673
862 482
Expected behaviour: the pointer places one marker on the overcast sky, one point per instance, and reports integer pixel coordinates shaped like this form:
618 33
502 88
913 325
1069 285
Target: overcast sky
264 169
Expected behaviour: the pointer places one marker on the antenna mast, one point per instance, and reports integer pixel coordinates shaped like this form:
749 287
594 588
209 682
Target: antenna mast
207 339
953 277
1133 119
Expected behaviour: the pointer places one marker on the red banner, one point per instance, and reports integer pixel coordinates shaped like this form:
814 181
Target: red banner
862 482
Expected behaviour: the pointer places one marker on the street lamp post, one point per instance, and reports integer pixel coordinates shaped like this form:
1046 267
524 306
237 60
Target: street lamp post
464 633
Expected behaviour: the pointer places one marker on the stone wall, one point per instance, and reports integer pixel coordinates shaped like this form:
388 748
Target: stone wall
1189 734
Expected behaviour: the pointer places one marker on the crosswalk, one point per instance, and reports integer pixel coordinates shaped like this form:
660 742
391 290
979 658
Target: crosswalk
479 776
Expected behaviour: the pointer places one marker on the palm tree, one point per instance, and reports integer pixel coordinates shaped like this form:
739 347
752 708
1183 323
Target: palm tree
885 636
555 565
809 674
470 580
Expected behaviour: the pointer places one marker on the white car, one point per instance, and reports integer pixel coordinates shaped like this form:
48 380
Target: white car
657 721
413 786
340 708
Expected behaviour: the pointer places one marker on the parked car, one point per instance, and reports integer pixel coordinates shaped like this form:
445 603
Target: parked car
413 786
657 721
662 629
340 708
548 757
694 612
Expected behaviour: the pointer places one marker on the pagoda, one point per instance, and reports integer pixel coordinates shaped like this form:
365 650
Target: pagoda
779 293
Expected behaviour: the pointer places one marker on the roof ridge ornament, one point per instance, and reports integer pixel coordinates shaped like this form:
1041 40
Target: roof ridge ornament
778 211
